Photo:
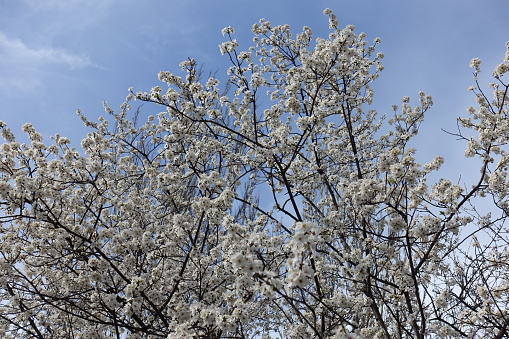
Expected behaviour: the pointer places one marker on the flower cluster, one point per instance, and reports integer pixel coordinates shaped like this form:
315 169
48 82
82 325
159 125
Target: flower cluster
281 204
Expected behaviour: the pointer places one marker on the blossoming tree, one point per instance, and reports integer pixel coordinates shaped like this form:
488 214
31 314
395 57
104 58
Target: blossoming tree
156 231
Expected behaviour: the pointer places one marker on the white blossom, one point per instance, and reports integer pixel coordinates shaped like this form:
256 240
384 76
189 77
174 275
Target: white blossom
278 200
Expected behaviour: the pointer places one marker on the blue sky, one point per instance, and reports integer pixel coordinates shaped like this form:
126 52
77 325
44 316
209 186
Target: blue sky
60 55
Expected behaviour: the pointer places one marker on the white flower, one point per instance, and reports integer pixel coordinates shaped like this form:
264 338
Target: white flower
500 70
228 46
475 62
228 30
333 22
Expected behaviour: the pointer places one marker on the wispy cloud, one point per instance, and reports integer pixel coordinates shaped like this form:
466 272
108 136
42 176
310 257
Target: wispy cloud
16 51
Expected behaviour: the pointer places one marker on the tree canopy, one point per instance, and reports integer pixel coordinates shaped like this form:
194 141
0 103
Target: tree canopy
276 204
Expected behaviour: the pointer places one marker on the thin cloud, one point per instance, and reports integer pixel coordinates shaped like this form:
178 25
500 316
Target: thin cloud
16 51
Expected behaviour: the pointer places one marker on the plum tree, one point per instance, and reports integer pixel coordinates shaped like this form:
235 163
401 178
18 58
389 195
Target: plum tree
276 205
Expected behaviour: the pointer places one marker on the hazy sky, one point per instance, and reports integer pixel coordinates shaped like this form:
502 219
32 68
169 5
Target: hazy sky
60 55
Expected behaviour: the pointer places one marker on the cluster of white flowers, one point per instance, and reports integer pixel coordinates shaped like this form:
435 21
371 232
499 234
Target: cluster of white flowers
302 243
245 263
476 64
282 205
228 46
